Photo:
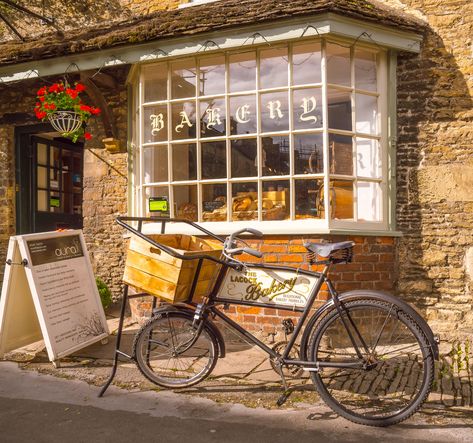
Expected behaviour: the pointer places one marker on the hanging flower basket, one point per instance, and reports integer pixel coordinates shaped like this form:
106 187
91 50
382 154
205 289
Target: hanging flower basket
64 109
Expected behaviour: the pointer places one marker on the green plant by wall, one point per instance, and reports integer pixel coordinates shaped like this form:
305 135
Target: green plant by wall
105 293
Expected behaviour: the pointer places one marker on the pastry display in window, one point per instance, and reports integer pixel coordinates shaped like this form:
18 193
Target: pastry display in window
187 211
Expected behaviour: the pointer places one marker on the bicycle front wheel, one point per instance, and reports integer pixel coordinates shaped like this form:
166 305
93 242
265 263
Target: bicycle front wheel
172 353
396 365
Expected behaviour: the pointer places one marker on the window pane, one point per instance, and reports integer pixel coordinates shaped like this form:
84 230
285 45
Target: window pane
368 161
244 158
214 202
338 65
183 120
155 164
54 157
77 203
308 154
365 70
42 177
155 124
245 201
42 202
274 112
276 200
214 160
42 155
185 202
275 155
184 162
243 72
273 68
339 109
243 118
340 154
183 79
306 62
212 75
366 110
155 82
341 199
157 201
369 201
308 108
212 118
309 194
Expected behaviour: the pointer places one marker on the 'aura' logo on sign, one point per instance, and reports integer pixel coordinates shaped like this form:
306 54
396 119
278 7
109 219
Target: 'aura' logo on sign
69 251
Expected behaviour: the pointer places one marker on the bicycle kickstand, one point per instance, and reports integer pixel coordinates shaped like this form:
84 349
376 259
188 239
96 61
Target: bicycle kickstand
287 391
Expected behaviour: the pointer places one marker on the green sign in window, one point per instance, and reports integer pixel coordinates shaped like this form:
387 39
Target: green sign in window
54 202
158 204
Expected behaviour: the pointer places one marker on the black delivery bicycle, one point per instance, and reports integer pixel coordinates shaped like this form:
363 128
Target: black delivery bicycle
370 355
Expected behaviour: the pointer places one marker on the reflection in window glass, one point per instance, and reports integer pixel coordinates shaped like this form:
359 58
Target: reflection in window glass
338 65
212 76
42 203
368 201
214 202
340 154
245 201
212 117
275 158
367 158
306 60
308 108
184 162
155 164
183 120
157 201
273 68
42 154
365 70
185 202
242 72
339 109
183 79
366 113
274 112
214 160
155 124
155 82
42 177
308 154
243 114
309 198
244 158
341 199
276 200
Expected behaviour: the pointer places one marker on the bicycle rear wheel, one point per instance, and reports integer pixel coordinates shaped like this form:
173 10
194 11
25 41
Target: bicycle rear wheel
399 365
171 352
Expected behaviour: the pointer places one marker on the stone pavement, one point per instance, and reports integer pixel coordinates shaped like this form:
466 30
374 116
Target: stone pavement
243 376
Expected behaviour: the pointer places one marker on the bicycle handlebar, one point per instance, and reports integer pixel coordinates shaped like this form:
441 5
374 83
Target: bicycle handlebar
238 251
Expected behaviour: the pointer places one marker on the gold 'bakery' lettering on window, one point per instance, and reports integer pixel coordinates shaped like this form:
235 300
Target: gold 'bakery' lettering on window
275 108
213 117
242 114
308 105
157 123
184 121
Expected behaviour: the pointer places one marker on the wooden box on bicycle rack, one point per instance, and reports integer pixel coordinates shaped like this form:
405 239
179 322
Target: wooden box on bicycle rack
158 273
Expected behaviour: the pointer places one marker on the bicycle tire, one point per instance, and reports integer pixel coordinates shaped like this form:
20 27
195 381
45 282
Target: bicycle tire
172 359
395 386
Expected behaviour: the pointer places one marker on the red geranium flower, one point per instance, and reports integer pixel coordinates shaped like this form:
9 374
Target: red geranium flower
80 87
42 91
87 135
85 108
95 111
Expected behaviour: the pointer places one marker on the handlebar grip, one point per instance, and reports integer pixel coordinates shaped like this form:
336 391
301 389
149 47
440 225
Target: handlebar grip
255 232
253 252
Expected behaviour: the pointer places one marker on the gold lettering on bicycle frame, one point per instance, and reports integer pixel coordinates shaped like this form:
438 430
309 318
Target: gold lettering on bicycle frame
255 291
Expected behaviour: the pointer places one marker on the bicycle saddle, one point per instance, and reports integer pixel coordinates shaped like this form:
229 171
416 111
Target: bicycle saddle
325 249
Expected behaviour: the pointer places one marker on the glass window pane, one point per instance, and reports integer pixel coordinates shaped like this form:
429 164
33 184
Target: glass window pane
309 194
155 82
242 72
366 112
212 75
155 119
185 202
339 109
183 79
67 199
341 199
54 157
243 118
214 160
245 201
308 108
214 202
183 120
365 70
212 118
77 203
338 65
308 154
369 201
306 61
184 162
42 154
42 177
155 164
274 112
273 68
276 156
42 202
340 148
244 158
276 200
368 160
157 201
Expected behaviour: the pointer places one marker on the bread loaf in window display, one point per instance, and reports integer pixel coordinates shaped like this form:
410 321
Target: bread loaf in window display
187 211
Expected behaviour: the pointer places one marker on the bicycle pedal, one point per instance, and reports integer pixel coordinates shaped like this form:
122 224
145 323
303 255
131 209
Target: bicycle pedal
283 398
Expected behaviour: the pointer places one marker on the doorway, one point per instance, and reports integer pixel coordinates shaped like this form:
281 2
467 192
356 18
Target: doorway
49 174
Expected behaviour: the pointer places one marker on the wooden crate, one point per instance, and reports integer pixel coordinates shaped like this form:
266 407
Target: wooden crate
154 271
